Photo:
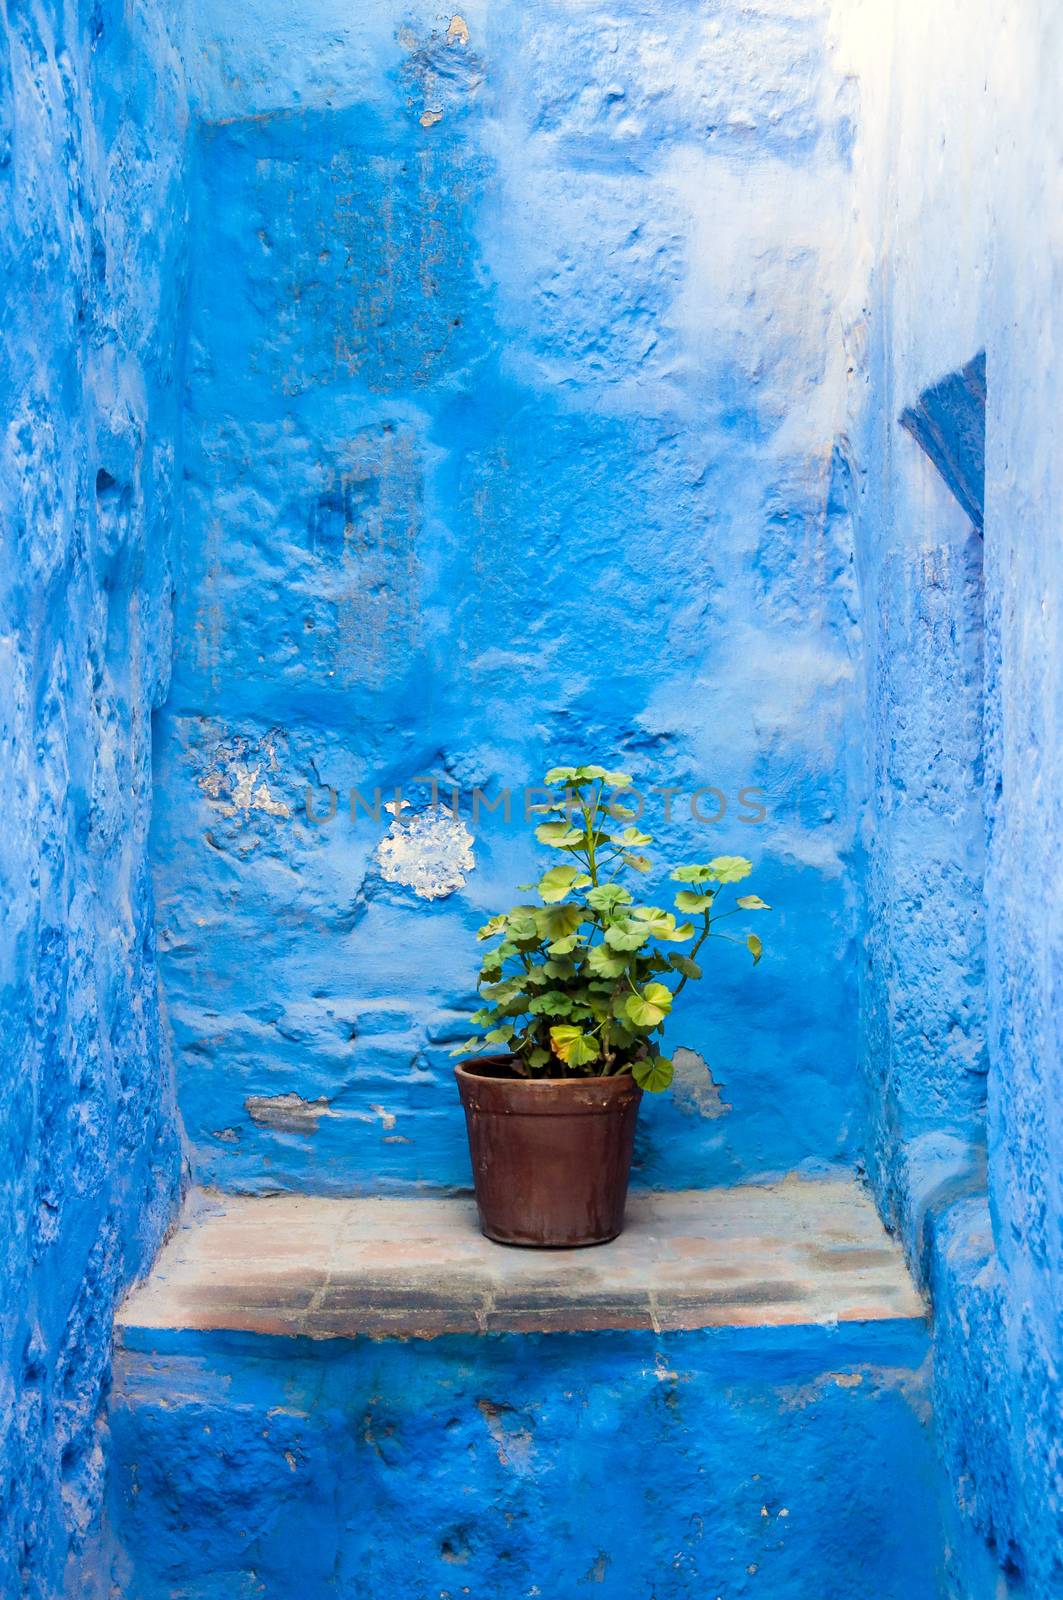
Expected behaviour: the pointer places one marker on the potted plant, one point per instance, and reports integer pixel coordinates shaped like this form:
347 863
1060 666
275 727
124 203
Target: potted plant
577 992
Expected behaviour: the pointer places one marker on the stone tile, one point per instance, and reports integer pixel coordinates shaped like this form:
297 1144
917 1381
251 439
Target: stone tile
793 1253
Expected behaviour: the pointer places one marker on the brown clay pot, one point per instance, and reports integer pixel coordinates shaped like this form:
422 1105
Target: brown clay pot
550 1156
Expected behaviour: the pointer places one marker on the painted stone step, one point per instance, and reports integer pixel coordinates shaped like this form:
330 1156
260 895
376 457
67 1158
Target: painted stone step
364 1399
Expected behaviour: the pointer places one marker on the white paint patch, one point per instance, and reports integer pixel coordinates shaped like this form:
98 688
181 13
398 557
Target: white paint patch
430 853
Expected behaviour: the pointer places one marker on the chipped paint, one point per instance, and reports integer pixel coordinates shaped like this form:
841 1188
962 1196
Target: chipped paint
235 780
290 1113
695 1089
429 852
511 1434
287 1112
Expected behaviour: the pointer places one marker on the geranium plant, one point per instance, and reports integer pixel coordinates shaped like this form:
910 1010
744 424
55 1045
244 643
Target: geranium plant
581 985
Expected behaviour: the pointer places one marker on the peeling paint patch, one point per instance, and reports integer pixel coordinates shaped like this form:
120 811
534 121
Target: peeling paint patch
513 1444
289 1113
431 853
696 1091
238 786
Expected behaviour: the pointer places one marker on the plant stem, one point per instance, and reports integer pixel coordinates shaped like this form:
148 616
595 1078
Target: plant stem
681 985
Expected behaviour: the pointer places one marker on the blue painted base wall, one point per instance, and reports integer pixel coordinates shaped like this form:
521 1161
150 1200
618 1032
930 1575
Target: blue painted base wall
779 1462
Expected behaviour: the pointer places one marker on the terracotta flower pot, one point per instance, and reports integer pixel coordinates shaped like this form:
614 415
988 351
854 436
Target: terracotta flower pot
550 1156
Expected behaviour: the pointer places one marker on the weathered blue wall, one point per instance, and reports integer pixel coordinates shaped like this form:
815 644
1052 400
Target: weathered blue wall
92 128
515 382
736 1462
958 183
524 419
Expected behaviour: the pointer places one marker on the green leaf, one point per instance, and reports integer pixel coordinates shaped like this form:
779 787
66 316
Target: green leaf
653 1074
604 962
554 922
607 896
559 835
553 1003
752 902
500 1035
565 946
730 869
694 872
573 1046
618 780
561 968
634 836
538 1057
626 935
661 924
470 1044
683 964
687 900
560 775
650 1007
521 923
505 990
489 929
756 949
640 863
589 774
555 884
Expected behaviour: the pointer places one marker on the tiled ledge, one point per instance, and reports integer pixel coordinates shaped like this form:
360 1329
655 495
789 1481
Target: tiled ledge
796 1253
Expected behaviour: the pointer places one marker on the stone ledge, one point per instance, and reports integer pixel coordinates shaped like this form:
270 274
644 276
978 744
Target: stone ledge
795 1253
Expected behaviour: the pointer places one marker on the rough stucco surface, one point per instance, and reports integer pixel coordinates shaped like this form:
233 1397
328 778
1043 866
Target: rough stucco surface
519 421
616 1465
962 989
91 134
515 382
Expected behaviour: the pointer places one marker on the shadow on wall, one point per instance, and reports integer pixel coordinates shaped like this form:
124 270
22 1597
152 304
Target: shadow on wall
948 422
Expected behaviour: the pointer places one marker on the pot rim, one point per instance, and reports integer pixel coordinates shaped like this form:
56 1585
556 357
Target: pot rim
466 1069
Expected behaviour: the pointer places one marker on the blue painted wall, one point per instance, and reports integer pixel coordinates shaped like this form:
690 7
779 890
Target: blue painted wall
544 371
732 1463
92 128
957 180
514 385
